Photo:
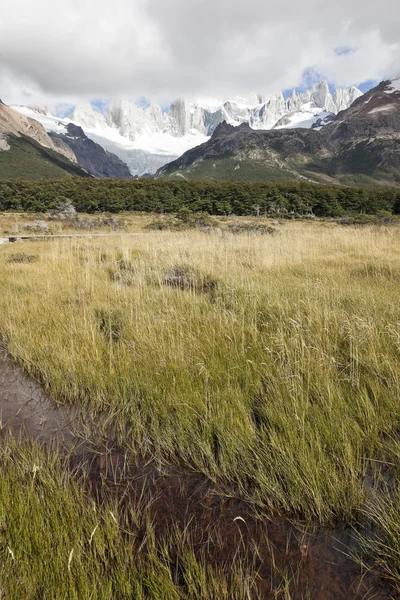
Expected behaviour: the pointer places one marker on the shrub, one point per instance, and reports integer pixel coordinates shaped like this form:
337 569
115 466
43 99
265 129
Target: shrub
184 277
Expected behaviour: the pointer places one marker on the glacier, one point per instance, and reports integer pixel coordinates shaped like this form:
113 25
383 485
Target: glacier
147 137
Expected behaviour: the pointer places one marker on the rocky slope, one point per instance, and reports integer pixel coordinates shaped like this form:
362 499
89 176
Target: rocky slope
28 152
90 155
362 145
15 123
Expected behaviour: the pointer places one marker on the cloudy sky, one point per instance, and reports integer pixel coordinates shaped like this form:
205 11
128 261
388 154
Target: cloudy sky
53 52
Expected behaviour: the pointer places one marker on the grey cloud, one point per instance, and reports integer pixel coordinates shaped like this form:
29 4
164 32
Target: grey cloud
164 48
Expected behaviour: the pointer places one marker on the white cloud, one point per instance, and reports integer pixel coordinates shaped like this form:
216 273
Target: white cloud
164 48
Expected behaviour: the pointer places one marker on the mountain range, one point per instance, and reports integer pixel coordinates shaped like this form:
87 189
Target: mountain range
193 118
360 146
146 138
346 137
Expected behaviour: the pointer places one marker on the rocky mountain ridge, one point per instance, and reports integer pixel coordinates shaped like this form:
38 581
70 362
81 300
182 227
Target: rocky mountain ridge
14 123
91 156
183 118
363 144
28 152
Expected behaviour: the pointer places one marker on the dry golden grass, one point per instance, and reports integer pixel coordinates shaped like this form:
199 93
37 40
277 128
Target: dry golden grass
35 223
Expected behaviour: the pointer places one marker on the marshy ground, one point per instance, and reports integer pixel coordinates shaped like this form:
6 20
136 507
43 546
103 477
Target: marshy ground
235 412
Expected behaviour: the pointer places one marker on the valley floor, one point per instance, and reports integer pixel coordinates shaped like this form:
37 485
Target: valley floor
228 409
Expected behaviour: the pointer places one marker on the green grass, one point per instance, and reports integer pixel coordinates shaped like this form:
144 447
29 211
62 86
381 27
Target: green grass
361 179
315 169
27 159
57 543
230 169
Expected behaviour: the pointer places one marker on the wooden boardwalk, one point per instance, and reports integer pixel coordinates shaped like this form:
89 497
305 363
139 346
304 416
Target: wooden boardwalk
17 238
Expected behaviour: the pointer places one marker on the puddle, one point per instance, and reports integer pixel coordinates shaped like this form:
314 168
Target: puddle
25 410
315 561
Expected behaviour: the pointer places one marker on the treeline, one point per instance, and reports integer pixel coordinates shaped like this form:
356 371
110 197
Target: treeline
114 195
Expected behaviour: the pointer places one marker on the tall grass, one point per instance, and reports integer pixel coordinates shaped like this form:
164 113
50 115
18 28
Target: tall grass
270 363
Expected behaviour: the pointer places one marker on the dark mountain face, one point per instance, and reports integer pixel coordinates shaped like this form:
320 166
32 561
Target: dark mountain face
91 156
361 145
374 115
366 136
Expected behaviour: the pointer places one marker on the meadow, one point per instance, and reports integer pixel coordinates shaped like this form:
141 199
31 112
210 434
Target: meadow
266 360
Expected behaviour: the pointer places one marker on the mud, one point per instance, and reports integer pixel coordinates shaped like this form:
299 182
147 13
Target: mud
316 562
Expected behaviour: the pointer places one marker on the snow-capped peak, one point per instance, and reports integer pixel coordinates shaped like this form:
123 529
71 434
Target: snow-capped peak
184 118
85 114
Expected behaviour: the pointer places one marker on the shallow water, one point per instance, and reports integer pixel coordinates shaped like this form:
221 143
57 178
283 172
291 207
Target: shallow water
25 409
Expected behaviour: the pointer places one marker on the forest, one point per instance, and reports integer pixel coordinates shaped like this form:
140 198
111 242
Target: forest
217 198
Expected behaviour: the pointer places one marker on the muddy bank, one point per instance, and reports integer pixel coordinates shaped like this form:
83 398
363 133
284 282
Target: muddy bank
26 411
309 561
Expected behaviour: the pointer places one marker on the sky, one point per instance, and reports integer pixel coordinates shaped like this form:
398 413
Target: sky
61 53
